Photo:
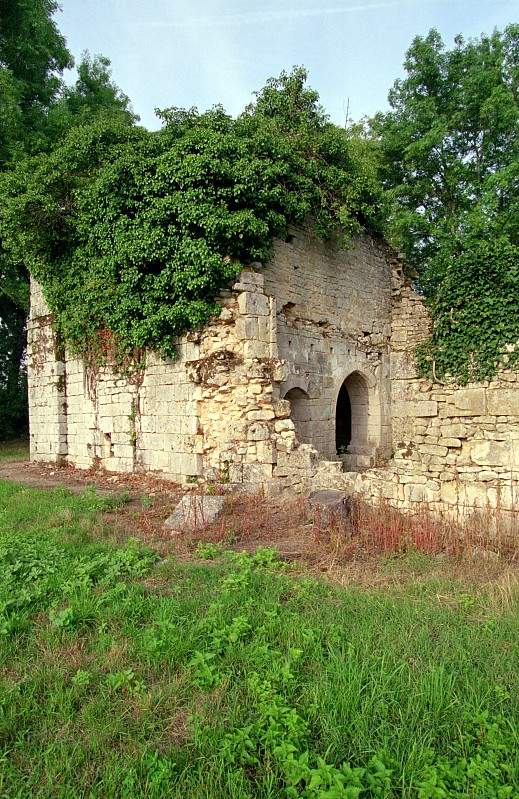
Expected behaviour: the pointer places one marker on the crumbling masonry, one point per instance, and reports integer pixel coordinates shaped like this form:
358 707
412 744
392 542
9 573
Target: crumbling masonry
306 379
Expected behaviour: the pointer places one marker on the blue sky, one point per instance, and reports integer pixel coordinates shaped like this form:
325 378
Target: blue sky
200 52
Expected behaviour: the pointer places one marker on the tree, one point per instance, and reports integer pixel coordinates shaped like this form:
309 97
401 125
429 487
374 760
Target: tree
36 110
33 55
450 160
93 96
132 233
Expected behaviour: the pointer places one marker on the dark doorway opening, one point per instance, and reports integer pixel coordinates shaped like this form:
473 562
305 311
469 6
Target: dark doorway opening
343 421
351 420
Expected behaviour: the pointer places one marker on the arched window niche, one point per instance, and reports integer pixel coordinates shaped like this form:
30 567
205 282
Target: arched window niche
300 413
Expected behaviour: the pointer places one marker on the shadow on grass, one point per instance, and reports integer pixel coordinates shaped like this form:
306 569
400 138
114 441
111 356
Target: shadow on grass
17 450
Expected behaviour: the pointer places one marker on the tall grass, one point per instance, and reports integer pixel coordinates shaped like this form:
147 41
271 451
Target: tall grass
380 528
235 676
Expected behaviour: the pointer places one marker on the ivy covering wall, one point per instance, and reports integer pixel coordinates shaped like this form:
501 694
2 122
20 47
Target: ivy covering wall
132 233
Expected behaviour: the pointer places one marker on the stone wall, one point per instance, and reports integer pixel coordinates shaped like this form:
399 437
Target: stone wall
200 415
333 318
456 448
288 337
218 412
46 384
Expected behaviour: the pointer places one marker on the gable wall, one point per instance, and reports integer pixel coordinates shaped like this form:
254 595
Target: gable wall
333 318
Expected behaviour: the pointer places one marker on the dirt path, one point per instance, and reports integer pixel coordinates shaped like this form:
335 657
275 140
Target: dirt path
246 523
42 475
28 474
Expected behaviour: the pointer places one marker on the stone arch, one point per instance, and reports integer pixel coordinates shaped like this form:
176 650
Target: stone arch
300 381
300 412
355 437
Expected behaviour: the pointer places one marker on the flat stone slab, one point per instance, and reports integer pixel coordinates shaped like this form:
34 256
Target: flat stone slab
194 512
329 502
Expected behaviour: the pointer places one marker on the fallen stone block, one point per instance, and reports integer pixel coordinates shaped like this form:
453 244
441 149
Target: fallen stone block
328 504
194 512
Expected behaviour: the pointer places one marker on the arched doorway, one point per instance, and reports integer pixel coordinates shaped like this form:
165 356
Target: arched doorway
352 415
343 421
300 413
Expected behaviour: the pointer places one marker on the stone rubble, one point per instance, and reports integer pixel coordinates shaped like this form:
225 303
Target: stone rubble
194 512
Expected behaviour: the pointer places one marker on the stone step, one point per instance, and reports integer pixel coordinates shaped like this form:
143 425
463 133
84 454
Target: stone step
334 467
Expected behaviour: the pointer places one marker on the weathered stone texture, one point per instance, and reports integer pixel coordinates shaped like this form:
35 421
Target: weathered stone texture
47 385
253 397
334 309
453 446
194 512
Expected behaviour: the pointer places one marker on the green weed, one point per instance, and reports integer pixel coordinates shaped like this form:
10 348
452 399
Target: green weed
235 678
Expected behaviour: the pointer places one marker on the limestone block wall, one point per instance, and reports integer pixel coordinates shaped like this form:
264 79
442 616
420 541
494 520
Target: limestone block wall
455 448
333 318
178 417
213 413
217 412
46 384
288 337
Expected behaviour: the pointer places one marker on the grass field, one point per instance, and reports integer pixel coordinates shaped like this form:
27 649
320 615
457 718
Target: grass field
231 675
14 450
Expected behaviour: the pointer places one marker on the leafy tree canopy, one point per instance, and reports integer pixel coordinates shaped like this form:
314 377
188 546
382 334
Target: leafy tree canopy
450 150
133 233
36 110
33 54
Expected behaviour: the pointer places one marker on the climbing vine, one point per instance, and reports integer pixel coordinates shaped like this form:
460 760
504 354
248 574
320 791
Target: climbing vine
475 309
132 233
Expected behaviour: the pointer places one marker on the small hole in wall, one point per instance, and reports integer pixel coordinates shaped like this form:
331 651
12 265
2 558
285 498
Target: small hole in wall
289 239
108 440
289 342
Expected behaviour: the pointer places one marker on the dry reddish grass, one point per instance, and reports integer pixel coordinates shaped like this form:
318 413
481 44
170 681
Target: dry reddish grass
474 549
478 546
381 529
367 530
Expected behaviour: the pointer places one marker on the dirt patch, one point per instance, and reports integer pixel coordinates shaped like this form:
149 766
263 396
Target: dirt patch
248 521
374 547
147 500
51 475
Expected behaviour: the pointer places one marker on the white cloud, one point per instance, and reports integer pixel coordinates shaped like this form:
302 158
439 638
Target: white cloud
258 17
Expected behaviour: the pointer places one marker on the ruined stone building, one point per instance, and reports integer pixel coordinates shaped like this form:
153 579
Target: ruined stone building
305 379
